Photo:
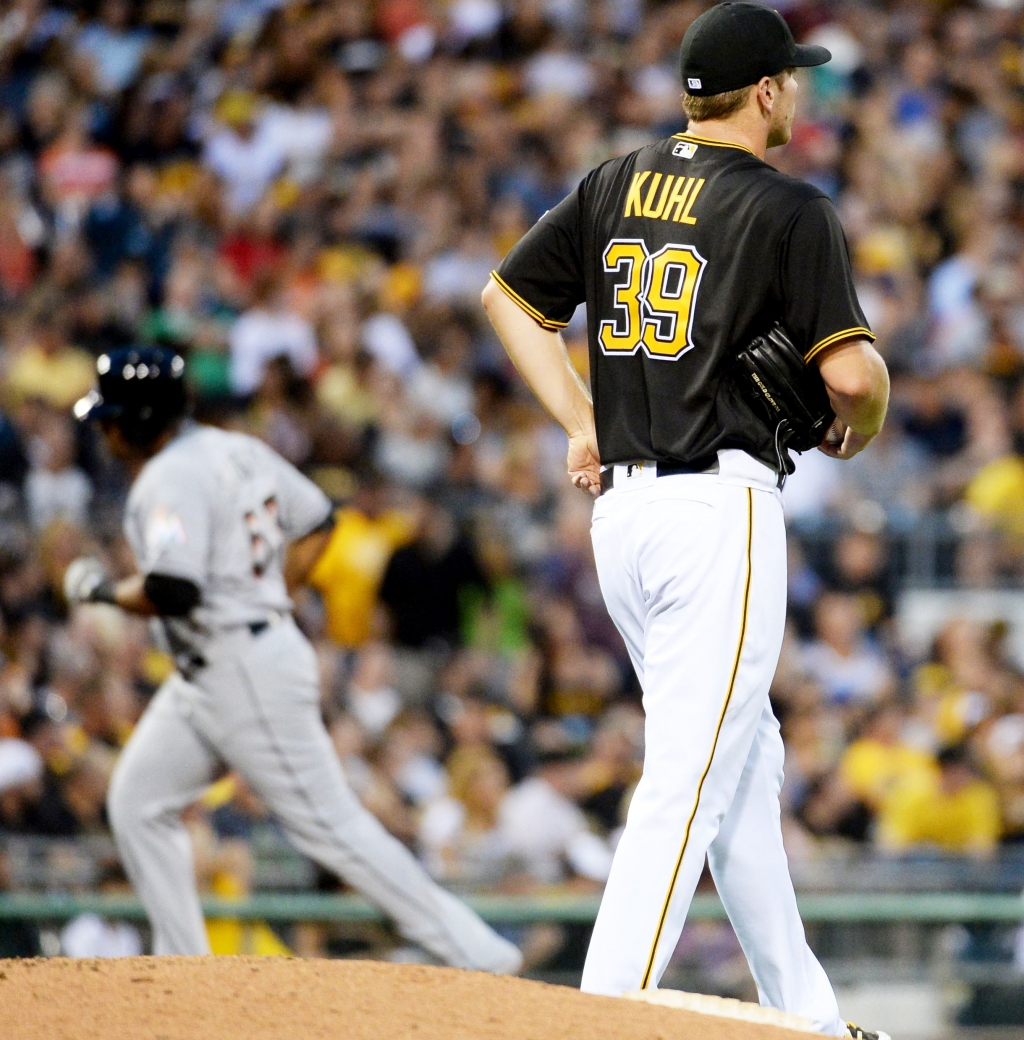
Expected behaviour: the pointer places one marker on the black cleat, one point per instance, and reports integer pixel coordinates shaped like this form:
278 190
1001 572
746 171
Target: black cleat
856 1033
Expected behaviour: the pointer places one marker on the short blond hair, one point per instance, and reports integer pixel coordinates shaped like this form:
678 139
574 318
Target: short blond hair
721 106
715 106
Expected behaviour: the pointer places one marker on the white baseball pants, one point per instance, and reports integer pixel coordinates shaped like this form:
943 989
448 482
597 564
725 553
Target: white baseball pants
693 572
255 707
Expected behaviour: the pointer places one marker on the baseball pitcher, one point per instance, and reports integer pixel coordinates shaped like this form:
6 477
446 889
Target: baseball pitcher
222 529
724 328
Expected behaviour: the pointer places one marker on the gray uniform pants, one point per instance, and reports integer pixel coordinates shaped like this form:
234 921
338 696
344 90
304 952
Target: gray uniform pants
255 707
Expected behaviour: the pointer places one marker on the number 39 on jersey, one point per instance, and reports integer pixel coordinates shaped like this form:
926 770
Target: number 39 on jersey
654 296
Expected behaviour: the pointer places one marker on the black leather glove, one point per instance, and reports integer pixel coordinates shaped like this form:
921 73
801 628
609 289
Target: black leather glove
785 393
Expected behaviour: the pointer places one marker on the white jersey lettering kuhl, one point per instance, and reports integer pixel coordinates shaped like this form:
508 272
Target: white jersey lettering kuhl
219 509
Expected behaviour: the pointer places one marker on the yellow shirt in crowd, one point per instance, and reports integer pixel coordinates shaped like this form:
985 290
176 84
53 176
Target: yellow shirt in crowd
966 821
997 491
871 769
230 937
59 379
349 573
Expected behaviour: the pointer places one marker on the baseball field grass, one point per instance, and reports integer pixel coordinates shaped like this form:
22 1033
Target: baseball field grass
249 998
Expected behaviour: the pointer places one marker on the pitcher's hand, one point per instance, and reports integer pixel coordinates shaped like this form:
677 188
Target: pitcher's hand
584 463
843 443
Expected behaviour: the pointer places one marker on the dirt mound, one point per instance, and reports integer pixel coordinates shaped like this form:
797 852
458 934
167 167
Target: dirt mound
250 998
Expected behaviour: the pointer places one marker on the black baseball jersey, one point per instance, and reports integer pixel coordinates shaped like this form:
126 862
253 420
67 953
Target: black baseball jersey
684 251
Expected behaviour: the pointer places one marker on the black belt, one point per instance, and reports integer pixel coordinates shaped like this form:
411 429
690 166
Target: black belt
665 469
190 662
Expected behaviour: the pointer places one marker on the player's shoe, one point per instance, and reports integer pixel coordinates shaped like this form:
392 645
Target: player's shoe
856 1033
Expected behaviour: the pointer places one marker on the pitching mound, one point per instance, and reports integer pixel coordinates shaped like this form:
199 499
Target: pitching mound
249 998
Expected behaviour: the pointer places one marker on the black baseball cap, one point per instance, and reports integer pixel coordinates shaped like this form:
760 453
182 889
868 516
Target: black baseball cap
733 45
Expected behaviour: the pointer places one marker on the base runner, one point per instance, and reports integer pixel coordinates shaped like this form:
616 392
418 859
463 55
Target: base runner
222 529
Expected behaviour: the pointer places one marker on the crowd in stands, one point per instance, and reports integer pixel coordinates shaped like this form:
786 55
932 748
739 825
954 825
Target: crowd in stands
306 199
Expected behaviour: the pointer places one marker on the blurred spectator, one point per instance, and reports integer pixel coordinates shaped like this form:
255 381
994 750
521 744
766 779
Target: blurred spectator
894 474
245 153
996 494
879 761
282 411
409 757
90 935
21 774
117 229
842 659
386 339
266 331
1001 746
40 805
955 810
874 766
74 171
958 690
581 677
113 49
47 368
459 833
371 784
348 575
546 832
609 774
861 570
55 488
441 387
371 698
224 869
425 581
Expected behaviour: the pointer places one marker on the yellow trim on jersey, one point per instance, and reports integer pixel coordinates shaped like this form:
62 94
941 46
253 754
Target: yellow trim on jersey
547 323
859 333
714 744
684 136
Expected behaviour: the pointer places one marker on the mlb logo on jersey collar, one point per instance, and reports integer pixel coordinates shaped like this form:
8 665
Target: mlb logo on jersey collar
685 150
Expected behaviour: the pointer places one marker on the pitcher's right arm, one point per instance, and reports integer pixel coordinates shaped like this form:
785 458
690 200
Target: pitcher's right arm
858 384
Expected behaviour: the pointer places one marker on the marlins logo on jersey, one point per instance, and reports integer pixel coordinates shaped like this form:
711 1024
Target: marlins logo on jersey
164 529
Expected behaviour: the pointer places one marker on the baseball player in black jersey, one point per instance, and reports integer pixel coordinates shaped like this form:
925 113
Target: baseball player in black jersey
684 251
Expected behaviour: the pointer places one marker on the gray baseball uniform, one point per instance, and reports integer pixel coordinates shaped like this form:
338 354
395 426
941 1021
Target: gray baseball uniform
218 508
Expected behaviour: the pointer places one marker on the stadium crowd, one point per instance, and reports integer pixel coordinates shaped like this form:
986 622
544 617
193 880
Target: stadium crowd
305 199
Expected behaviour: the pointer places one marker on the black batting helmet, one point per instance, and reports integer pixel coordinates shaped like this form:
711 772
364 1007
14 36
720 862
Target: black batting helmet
141 390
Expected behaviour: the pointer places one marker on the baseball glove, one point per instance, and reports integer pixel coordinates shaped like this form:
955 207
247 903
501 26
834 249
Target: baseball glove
785 393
